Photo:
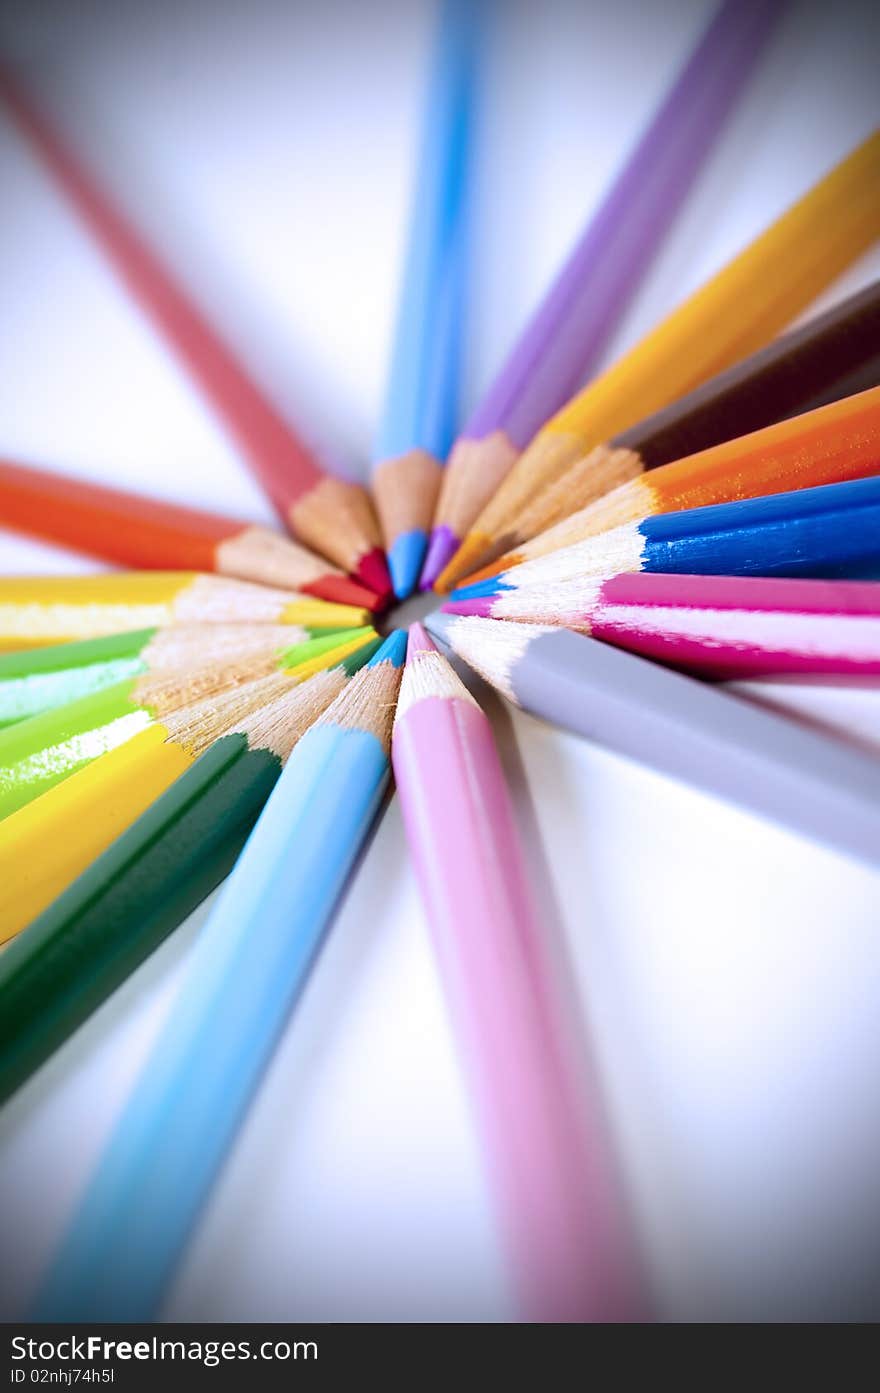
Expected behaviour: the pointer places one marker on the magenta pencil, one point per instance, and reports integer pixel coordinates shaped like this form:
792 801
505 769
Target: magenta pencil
718 626
545 1146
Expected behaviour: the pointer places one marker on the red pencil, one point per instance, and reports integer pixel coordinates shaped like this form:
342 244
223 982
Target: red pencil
334 517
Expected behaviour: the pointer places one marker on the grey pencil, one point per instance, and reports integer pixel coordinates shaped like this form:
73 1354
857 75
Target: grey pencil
796 776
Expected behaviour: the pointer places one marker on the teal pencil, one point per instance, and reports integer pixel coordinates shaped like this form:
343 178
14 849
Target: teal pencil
248 967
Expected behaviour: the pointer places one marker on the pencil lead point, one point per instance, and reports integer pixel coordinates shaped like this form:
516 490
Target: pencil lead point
393 650
405 556
419 641
480 605
441 548
341 590
373 572
480 589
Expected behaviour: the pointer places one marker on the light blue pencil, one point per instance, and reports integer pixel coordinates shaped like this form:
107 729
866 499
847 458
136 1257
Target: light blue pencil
251 961
421 406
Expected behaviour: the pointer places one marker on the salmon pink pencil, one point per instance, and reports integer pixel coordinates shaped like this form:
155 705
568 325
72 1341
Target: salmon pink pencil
332 516
545 1145
718 626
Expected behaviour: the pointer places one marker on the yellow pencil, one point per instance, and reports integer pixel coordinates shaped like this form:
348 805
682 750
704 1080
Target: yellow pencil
37 610
736 312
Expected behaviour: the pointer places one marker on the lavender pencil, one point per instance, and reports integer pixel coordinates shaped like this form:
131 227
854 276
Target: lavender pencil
561 344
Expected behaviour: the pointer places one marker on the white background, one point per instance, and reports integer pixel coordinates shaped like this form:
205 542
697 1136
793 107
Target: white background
729 973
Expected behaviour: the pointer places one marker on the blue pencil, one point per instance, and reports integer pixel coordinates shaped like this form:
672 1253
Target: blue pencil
421 406
248 967
832 530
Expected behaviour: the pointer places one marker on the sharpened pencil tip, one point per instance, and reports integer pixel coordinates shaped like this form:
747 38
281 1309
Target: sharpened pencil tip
405 556
373 571
480 589
393 650
419 641
341 590
441 548
480 605
438 626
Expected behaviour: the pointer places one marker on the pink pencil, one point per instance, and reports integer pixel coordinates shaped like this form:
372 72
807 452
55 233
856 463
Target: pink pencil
543 1138
718 626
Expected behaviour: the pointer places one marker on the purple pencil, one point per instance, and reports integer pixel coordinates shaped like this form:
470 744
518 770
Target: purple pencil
565 1231
561 344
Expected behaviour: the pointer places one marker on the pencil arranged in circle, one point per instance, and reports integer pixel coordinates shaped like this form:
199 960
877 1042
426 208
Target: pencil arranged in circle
248 967
36 610
33 680
739 310
421 402
562 342
717 626
112 916
39 753
691 730
543 1136
834 356
823 532
137 531
53 839
832 444
328 514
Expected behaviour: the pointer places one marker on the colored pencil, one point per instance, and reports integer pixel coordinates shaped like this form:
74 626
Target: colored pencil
108 920
421 403
831 356
326 513
829 531
563 341
829 445
39 753
544 1141
717 626
36 610
52 840
739 310
827 359
247 969
691 730
33 680
136 531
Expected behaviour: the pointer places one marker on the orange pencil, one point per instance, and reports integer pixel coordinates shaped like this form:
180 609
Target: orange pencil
829 445
334 517
144 533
